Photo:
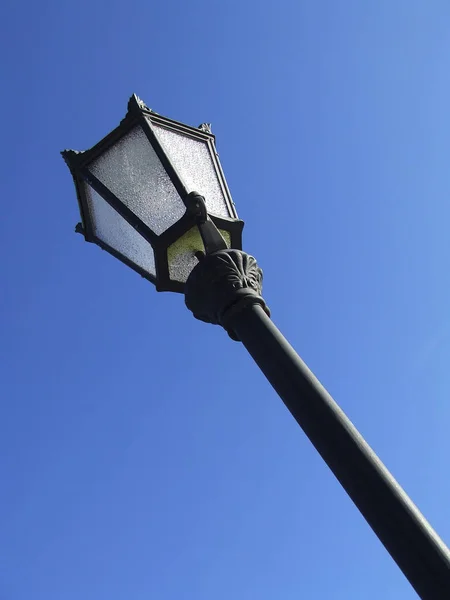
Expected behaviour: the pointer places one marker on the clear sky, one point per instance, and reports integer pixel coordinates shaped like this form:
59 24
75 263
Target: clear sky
142 454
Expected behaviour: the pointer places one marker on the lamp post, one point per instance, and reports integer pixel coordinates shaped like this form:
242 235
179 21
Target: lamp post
152 193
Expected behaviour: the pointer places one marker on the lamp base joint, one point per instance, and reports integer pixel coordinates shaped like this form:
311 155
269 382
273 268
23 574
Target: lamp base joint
223 284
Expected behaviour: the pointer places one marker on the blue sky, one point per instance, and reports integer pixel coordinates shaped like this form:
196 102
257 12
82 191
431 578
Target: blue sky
142 454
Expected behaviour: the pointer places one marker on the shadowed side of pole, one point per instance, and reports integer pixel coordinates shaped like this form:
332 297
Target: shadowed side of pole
226 289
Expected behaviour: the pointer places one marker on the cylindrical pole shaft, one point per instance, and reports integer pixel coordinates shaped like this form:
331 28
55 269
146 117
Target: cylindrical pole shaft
225 288
413 544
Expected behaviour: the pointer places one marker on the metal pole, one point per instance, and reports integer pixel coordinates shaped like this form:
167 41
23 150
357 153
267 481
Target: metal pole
407 536
214 294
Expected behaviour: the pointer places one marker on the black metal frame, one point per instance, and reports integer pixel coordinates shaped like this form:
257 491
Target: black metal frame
79 162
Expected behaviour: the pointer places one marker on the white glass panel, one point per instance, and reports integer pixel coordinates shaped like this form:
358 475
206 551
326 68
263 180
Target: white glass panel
112 229
181 254
192 159
133 172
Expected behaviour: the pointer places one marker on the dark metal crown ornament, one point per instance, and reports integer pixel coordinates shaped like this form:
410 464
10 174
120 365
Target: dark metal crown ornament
206 127
136 102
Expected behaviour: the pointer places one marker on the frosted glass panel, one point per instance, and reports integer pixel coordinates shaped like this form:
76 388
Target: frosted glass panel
133 172
181 254
192 159
112 229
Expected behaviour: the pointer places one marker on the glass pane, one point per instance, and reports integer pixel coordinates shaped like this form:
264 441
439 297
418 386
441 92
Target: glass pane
133 172
112 229
192 159
181 254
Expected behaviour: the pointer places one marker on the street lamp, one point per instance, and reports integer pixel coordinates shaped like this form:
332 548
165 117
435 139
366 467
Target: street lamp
153 194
